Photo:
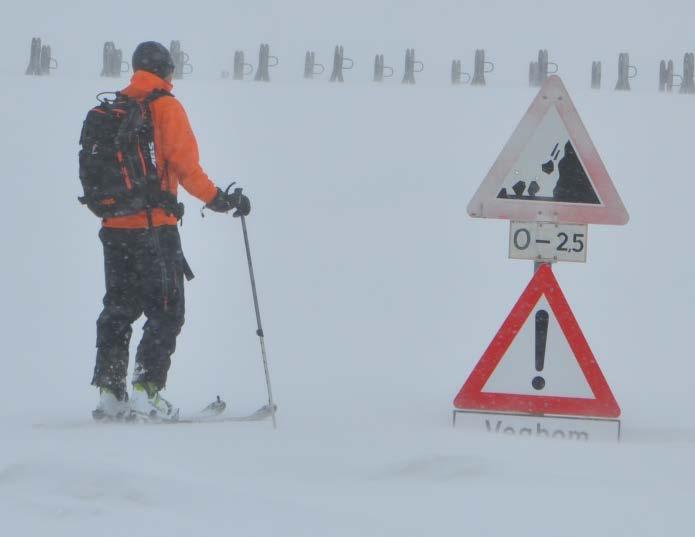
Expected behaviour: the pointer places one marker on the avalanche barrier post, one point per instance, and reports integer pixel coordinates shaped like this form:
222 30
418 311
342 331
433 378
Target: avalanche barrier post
34 67
241 68
457 75
688 79
181 60
264 63
48 62
381 70
481 67
539 70
625 72
310 65
113 61
596 75
339 66
411 67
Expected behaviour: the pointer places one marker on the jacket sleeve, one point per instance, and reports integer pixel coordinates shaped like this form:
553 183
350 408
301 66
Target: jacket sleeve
179 149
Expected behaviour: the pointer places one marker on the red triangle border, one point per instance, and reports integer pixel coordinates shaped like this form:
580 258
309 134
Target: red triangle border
471 396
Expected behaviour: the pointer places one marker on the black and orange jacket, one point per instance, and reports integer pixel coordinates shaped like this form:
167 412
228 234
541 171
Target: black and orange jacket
176 151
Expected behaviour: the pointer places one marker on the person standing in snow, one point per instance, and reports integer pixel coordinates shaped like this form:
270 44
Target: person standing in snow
143 262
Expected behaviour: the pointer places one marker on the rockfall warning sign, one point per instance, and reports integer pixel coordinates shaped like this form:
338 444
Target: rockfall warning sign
549 170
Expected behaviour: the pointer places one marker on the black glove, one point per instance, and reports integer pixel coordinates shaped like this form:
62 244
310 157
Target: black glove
243 205
224 202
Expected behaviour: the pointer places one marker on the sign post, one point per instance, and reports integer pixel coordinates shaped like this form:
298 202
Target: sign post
538 376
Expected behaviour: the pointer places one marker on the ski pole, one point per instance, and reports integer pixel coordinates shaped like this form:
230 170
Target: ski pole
259 331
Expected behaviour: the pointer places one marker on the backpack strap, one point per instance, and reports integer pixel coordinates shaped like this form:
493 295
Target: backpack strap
167 201
156 94
153 96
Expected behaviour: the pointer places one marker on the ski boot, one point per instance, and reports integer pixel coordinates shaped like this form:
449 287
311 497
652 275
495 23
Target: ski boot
148 405
110 407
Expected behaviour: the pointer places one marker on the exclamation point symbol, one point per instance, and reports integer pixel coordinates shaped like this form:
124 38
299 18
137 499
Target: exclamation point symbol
538 382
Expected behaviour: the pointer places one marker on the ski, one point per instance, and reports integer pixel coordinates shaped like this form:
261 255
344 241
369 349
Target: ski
261 414
215 412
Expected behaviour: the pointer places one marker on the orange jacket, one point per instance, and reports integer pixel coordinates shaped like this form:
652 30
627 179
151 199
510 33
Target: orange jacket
176 151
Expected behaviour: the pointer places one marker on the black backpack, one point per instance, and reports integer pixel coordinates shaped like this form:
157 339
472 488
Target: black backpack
118 170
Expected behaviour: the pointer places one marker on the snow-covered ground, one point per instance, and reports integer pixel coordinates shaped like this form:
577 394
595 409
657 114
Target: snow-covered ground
378 292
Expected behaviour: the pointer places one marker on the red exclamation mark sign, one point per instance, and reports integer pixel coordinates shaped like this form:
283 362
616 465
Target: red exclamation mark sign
538 382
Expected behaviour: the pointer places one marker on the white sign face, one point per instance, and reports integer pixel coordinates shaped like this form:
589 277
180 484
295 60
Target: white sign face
540 361
555 427
542 241
549 170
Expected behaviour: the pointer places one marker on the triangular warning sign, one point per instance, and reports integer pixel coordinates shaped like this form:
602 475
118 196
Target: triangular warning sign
550 170
539 361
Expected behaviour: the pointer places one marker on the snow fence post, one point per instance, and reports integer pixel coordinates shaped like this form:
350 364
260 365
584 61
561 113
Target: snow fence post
624 74
596 75
410 70
380 70
34 67
458 75
688 79
310 65
481 68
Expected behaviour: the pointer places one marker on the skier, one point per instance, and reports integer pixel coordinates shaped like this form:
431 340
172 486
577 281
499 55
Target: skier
143 262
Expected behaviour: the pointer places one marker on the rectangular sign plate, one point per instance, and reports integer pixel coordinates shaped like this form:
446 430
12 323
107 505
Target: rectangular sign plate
544 241
524 425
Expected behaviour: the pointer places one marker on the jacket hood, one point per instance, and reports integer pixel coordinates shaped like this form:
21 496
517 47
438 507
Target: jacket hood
142 83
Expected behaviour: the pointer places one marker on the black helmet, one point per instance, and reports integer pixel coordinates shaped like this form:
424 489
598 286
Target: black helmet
153 57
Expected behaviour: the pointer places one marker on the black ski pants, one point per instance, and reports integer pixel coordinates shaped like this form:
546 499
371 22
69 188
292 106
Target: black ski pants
144 274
